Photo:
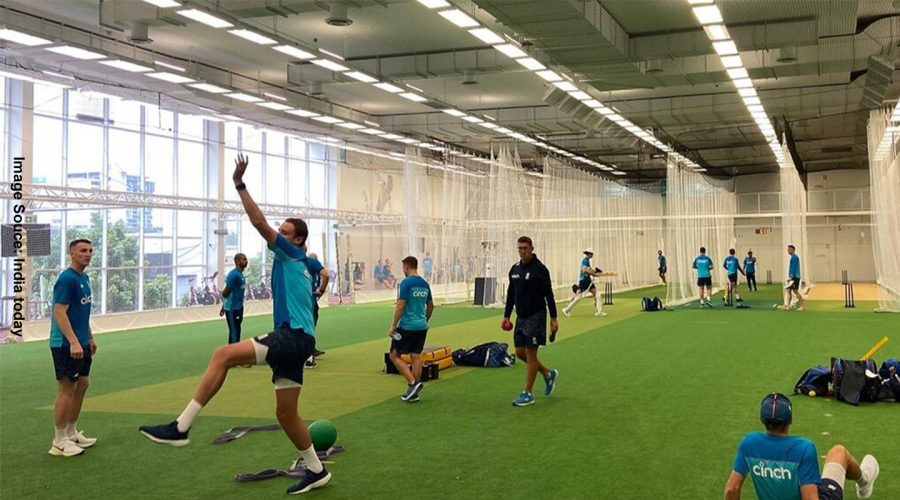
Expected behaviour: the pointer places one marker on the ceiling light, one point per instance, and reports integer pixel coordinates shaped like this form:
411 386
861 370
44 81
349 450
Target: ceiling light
330 53
371 124
453 112
392 137
351 125
170 77
566 86
164 4
407 140
504 130
737 73
302 113
708 14
511 50
605 111
732 61
58 75
743 83
725 48
373 131
700 2
458 18
294 52
413 97
716 32
486 35
127 66
756 108
277 106
329 64
240 96
489 125
550 76
592 103
617 172
170 66
205 18
21 38
208 87
253 37
358 75
580 95
472 119
275 96
327 119
747 92
759 115
388 87
751 100
531 63
85 55
434 4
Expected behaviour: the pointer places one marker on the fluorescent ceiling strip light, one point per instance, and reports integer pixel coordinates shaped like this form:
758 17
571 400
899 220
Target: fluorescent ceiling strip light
15 36
359 75
511 50
77 53
371 124
747 92
170 66
208 87
253 36
434 4
164 4
725 48
388 87
737 73
486 35
329 64
277 106
550 76
294 52
275 96
504 130
413 97
531 63
708 14
302 113
489 125
417 89
454 112
407 140
716 32
392 137
732 61
351 125
330 53
205 18
126 66
170 77
327 119
743 83
458 18
240 96
472 119
700 2
565 86
373 131
580 95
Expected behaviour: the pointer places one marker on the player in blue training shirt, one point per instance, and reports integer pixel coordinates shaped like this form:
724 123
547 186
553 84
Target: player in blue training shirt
732 267
792 288
320 284
586 285
661 261
784 467
233 306
72 346
409 326
750 271
284 349
704 266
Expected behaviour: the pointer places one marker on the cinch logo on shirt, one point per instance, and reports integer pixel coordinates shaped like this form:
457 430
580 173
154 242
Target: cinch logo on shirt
420 293
86 300
514 276
762 470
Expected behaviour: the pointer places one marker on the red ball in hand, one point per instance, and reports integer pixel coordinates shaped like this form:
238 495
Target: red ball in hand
506 325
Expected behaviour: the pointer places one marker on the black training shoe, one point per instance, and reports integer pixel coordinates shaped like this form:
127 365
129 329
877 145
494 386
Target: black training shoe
317 353
165 434
310 482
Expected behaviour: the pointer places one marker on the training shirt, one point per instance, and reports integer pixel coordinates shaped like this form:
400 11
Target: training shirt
315 271
585 262
778 465
235 300
703 264
529 290
731 264
291 285
417 294
74 290
750 264
794 267
662 261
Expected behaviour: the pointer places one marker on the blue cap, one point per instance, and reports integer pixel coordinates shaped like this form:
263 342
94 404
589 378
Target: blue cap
776 409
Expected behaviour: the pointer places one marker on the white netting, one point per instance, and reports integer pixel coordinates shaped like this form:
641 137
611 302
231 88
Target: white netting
700 213
884 172
793 216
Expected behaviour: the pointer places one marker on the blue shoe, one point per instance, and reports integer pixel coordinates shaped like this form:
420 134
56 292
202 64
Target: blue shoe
524 399
310 481
412 391
165 434
550 382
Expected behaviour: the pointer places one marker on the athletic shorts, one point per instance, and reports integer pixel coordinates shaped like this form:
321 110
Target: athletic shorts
795 284
704 281
751 275
662 270
411 341
67 366
585 284
286 349
732 278
832 486
531 331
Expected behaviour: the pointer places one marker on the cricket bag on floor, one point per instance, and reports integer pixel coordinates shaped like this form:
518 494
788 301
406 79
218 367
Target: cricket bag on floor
490 354
851 384
890 380
650 305
817 378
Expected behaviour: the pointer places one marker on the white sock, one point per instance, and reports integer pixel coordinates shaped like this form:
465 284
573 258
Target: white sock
186 419
59 434
70 429
597 304
311 459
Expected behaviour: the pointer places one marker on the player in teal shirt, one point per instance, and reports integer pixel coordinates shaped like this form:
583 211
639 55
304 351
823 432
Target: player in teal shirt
72 347
663 268
750 271
732 267
704 266
792 288
233 306
409 326
285 349
586 285
784 467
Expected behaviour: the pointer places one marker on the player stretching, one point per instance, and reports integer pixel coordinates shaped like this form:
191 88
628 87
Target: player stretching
586 285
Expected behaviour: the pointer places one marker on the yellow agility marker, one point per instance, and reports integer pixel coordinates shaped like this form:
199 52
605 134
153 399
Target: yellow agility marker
875 348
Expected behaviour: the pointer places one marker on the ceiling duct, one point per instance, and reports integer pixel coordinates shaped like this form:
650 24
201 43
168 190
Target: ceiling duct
787 55
879 75
139 33
338 15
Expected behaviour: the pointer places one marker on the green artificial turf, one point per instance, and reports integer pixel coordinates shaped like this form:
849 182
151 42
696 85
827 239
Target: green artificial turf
649 405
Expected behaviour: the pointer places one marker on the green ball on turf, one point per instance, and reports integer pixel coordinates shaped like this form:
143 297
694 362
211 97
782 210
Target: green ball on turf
323 434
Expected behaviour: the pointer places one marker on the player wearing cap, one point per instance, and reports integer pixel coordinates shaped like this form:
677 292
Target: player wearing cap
586 285
786 467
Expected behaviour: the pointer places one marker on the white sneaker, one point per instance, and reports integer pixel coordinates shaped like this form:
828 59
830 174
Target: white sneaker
869 467
599 313
81 441
566 312
65 449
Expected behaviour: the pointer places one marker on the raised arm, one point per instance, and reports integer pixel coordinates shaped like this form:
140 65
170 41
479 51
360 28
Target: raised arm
253 212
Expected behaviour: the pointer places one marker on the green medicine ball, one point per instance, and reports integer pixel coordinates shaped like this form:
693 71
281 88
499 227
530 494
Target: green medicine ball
323 434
